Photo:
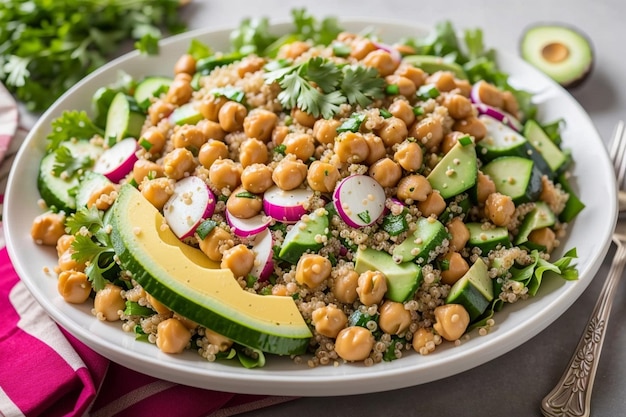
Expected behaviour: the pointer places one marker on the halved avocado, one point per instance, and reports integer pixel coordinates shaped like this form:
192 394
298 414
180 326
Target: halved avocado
561 52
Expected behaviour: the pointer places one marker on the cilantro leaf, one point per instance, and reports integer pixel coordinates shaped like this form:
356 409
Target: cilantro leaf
323 73
308 27
361 85
89 218
68 164
199 50
148 44
71 125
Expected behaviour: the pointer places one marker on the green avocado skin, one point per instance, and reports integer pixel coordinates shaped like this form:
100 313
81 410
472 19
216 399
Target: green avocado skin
562 52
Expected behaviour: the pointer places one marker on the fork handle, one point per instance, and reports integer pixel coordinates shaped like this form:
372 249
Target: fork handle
572 394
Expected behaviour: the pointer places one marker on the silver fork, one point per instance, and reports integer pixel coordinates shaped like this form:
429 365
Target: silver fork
572 394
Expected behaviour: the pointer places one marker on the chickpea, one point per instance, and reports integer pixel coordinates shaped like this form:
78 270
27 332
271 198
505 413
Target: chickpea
172 336
259 124
231 116
472 126
394 318
157 191
489 94
178 163
250 64
67 263
225 173
155 138
64 243
312 270
417 75
302 145
143 169
376 148
158 306
210 107
303 118
450 140
361 47
405 86
452 321
457 267
344 287
429 131
108 303
211 151
382 61
243 205
180 90
47 228
510 104
371 287
74 286
103 198
293 50
392 131
186 63
386 172
351 147
239 259
422 338
459 234
253 151
222 342
354 343
459 107
545 237
484 187
414 187
159 110
403 111
289 173
279 134
329 320
443 80
257 178
464 87
188 136
322 176
410 156
216 243
325 131
211 130
500 209
434 204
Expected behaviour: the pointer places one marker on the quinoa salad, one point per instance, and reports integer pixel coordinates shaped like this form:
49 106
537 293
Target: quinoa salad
395 196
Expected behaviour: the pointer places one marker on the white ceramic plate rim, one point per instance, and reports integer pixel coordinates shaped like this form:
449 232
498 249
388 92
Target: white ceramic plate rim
514 325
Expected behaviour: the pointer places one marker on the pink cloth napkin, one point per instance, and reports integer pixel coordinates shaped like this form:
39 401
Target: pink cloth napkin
45 371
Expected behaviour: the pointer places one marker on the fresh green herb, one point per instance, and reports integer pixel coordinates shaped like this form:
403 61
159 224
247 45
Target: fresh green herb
90 219
444 264
465 140
361 85
280 149
47 46
396 344
553 130
148 44
245 194
427 91
365 216
340 49
67 164
531 275
359 318
204 66
250 280
71 125
205 228
392 89
251 358
199 50
395 224
309 28
352 123
418 110
385 113
145 144
231 93
133 308
252 36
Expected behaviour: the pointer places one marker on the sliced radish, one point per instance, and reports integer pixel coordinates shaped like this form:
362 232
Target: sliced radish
263 248
191 203
359 200
117 161
286 206
247 227
500 115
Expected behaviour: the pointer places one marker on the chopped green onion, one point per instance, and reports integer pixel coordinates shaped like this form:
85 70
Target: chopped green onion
280 149
418 110
385 113
230 93
465 140
145 144
250 280
340 49
352 124
365 216
427 91
135 309
444 265
245 194
392 89
133 183
205 228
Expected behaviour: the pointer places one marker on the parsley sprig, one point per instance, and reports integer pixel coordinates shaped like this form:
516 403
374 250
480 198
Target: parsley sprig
320 86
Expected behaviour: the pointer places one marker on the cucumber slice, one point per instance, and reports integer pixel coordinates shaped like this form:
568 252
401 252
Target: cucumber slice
123 119
456 172
474 290
422 245
57 191
573 206
541 216
487 239
150 87
402 279
500 140
91 182
556 159
516 177
187 114
306 235
186 281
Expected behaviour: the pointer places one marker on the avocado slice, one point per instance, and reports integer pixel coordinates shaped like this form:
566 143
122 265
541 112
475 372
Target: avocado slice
563 53
186 281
